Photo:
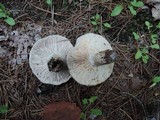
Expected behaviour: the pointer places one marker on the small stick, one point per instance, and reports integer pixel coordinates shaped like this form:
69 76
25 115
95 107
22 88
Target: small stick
128 94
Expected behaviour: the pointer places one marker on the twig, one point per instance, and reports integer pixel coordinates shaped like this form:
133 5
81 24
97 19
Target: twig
125 113
154 58
128 94
43 9
52 12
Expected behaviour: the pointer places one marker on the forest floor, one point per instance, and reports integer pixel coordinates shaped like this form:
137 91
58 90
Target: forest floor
126 95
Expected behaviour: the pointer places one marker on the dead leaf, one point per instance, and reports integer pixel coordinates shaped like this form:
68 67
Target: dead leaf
61 111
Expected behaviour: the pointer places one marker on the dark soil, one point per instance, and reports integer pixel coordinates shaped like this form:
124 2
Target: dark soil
124 96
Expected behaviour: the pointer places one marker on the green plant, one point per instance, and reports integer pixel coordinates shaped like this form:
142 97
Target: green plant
153 36
3 109
155 81
143 50
132 6
96 22
93 112
142 54
5 15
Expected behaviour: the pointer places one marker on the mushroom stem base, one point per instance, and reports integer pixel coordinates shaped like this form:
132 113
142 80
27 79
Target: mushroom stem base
104 57
55 64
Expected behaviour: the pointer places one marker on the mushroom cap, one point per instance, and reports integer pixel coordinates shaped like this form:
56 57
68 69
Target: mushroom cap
80 60
42 52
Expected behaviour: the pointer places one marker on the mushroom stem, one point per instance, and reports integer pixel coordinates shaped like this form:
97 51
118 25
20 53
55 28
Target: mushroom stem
55 64
104 57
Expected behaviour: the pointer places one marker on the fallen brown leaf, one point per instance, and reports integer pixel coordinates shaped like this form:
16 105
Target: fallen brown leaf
61 111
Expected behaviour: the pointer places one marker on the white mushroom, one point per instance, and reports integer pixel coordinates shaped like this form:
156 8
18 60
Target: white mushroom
48 59
91 61
152 1
156 12
155 8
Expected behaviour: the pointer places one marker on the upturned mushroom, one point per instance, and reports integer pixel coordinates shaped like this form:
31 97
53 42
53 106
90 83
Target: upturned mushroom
91 61
48 59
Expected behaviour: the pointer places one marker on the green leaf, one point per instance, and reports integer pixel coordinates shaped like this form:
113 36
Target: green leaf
2 7
156 79
93 17
154 38
96 112
83 116
96 29
145 57
49 2
136 3
107 25
145 50
97 17
92 99
2 15
136 36
117 10
9 21
158 26
85 101
155 46
144 60
148 24
138 55
3 109
134 12
93 22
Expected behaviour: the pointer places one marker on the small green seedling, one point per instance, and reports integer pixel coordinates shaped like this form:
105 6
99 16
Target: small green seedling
148 24
155 81
132 10
153 36
143 51
3 109
136 36
96 22
93 112
134 5
5 15
142 54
